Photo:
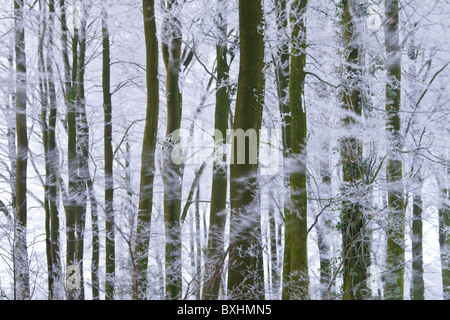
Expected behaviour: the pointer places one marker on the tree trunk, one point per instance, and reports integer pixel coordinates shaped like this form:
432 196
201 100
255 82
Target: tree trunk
21 266
418 285
110 255
245 273
148 152
198 246
171 169
48 120
355 244
72 156
218 213
394 286
417 281
53 160
444 241
296 272
43 95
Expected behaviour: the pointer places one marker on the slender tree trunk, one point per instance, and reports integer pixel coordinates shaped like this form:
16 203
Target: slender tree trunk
148 152
171 169
218 213
444 241
21 267
418 285
296 273
355 248
53 160
245 273
48 119
108 153
394 286
198 246
43 95
417 280
72 157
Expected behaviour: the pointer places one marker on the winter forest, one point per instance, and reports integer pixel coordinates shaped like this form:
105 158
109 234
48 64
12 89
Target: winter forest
224 149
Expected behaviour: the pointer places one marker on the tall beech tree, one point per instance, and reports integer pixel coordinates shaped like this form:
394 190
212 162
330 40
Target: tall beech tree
48 122
171 166
218 213
361 149
245 268
355 243
72 156
110 255
395 261
53 157
21 264
295 270
148 167
444 241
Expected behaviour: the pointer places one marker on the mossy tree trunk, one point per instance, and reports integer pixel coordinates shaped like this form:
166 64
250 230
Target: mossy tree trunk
395 260
417 276
444 241
296 279
148 152
245 272
171 167
417 281
218 213
355 243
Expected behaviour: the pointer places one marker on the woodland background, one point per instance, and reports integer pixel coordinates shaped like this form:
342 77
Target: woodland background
355 93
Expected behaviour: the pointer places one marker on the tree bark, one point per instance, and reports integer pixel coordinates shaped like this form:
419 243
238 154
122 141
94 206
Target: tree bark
418 285
148 152
43 95
296 272
110 255
355 243
72 157
218 213
21 265
444 241
171 169
53 159
394 285
245 272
